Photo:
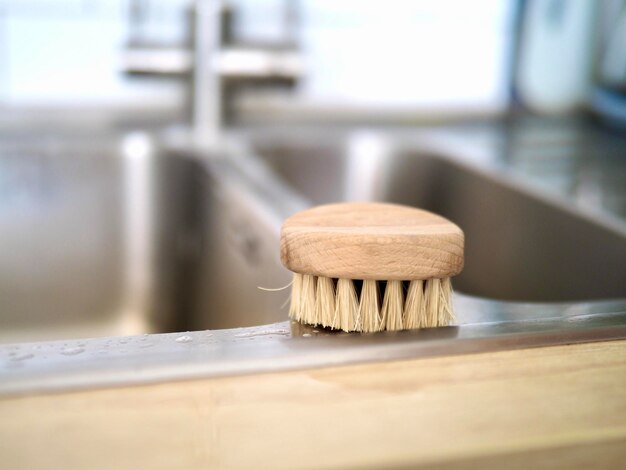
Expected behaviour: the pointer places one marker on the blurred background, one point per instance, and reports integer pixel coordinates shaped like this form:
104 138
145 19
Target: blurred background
74 52
483 57
115 215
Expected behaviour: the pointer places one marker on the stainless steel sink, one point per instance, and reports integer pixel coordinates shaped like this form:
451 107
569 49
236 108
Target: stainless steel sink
113 234
96 233
118 235
519 245
106 235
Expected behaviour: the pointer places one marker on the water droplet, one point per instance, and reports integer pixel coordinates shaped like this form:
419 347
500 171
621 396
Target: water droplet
123 341
248 334
72 351
22 357
316 331
146 345
184 339
306 335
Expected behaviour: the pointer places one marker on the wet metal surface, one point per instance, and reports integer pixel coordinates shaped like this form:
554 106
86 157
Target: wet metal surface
488 326
116 235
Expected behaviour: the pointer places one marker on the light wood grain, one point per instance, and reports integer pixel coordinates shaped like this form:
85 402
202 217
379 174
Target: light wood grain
371 241
552 407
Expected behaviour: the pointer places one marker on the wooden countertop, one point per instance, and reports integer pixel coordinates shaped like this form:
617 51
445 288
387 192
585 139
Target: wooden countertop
559 406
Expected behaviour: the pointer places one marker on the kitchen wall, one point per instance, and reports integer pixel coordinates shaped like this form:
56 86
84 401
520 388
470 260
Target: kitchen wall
393 53
67 52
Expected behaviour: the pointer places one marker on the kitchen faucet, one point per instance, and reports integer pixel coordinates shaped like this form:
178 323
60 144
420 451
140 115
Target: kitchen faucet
214 65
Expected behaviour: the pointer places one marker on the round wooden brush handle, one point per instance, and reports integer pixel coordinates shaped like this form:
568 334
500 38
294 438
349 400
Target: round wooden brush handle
371 241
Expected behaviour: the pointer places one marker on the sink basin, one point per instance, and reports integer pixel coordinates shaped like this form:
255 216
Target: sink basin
106 235
112 235
519 246
96 231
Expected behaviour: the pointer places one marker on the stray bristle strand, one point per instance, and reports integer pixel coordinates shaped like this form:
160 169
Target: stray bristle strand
414 305
325 302
392 306
347 305
369 307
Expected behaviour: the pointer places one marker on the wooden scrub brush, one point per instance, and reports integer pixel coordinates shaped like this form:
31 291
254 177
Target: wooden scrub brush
371 266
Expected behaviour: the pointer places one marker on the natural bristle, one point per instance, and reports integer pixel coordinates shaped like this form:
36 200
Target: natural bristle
325 302
414 307
368 307
392 306
295 310
307 301
347 306
380 305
